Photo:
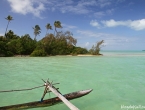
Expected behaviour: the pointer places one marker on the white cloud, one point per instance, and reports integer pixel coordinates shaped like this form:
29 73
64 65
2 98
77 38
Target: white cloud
95 23
77 7
109 11
120 1
81 7
35 7
103 13
99 14
27 6
65 6
86 3
61 3
87 44
68 26
113 23
88 34
138 24
104 3
110 40
133 24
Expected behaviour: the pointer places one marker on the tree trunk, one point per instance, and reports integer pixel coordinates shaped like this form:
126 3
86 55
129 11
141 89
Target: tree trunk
6 28
55 30
35 37
46 32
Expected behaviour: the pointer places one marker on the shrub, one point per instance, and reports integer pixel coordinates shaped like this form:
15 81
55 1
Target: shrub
38 53
9 54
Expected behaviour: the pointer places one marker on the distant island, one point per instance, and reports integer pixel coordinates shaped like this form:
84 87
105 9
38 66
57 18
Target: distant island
59 43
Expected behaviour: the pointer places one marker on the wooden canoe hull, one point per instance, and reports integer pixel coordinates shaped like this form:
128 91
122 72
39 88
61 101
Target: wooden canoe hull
47 102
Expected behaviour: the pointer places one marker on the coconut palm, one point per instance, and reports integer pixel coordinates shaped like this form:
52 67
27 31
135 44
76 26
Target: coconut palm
9 18
48 26
57 24
37 31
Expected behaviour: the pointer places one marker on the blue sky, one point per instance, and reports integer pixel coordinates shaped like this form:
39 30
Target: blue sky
120 23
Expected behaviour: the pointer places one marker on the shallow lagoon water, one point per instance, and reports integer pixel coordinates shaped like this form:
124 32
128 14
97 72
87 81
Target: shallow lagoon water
117 78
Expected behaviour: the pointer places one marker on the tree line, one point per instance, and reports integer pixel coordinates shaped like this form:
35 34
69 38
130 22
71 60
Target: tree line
59 43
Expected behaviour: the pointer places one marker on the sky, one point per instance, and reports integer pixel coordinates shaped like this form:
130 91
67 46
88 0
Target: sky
120 23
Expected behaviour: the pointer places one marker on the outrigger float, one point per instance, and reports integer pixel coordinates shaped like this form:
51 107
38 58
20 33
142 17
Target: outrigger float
49 87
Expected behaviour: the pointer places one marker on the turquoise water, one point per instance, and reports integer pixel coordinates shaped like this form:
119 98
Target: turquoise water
117 78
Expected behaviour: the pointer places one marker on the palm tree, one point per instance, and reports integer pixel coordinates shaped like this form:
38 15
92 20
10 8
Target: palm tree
48 26
9 18
37 31
57 24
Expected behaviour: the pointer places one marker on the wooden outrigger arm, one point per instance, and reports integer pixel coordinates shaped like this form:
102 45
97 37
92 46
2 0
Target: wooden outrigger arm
70 105
52 89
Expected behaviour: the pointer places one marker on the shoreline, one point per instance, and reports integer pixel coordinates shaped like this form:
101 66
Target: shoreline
79 55
86 55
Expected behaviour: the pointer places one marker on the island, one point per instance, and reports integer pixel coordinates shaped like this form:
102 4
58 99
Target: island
59 43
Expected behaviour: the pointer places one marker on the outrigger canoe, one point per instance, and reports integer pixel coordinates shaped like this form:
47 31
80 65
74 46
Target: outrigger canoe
47 102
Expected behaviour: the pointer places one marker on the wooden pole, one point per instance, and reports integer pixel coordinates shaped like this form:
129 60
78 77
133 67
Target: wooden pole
45 91
54 90
70 105
22 89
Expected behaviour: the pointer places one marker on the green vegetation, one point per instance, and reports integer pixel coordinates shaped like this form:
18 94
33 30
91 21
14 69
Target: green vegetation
96 48
37 31
57 24
62 43
48 26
